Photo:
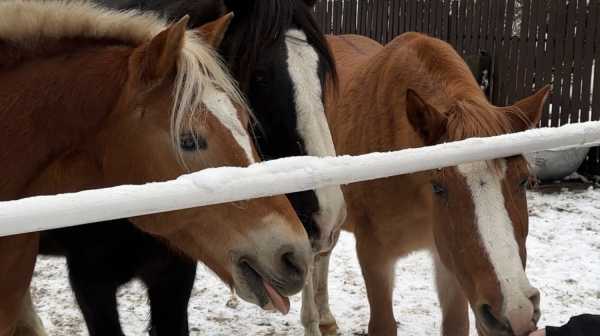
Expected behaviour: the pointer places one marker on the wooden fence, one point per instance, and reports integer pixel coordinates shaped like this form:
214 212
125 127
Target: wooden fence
530 42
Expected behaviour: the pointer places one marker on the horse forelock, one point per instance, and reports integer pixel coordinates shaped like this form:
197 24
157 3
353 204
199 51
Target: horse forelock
266 22
199 69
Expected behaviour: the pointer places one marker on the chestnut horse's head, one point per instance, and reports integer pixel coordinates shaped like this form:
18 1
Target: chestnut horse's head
156 103
480 218
179 110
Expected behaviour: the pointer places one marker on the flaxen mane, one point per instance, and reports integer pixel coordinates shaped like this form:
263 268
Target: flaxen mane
29 24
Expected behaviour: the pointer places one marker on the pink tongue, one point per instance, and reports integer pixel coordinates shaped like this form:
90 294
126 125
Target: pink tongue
281 303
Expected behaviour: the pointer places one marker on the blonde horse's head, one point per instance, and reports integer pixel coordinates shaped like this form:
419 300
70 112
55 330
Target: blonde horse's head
137 101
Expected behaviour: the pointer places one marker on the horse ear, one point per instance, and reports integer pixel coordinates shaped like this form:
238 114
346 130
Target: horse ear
429 123
532 108
214 32
159 57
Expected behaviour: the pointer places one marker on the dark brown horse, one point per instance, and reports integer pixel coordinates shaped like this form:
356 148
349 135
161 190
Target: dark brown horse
414 92
91 98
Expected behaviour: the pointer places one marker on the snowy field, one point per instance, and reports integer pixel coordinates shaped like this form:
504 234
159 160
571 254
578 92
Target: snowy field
564 263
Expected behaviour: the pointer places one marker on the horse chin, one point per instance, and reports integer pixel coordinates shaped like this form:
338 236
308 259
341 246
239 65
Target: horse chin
251 286
485 331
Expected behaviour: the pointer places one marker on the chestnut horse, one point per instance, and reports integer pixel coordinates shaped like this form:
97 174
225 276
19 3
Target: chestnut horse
91 98
417 91
282 62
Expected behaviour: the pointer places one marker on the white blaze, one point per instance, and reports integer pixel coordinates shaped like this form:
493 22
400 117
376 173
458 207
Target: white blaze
303 66
219 104
498 237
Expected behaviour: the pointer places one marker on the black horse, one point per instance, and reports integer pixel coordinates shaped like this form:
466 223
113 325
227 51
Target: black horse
268 47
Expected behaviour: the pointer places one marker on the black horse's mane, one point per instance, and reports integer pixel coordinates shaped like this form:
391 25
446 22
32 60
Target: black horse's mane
200 11
267 22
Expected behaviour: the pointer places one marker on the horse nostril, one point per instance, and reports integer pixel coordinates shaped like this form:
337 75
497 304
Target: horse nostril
294 266
490 321
535 300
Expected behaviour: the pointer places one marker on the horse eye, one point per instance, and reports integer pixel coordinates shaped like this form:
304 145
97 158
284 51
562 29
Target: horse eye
438 189
524 183
191 142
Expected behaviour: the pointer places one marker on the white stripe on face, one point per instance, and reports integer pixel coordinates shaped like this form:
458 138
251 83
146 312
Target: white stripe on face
498 236
221 107
303 66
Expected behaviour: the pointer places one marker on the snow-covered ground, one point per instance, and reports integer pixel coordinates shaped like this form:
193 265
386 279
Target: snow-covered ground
564 263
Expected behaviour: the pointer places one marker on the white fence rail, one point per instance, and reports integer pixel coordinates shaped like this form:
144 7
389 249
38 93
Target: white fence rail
222 185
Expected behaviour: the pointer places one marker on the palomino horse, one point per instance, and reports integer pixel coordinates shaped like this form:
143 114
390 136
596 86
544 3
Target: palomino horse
282 61
91 98
414 92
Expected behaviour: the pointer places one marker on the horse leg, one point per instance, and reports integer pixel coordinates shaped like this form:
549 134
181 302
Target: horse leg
17 260
169 291
96 298
377 266
309 313
327 322
30 323
454 304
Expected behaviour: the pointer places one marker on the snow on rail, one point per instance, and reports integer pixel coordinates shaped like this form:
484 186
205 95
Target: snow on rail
228 184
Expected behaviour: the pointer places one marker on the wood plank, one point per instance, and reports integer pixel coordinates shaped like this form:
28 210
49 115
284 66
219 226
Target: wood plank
337 16
476 27
462 27
434 26
425 16
419 16
324 23
507 69
497 17
596 96
560 26
542 66
363 15
384 21
353 13
376 23
529 62
523 57
444 21
484 37
396 18
540 37
401 14
413 15
514 63
578 61
468 33
548 62
373 19
346 16
453 25
568 65
588 61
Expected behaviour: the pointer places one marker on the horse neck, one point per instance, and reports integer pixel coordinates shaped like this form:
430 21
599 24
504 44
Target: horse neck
368 114
52 102
371 110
